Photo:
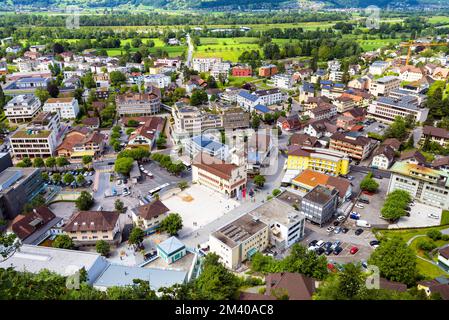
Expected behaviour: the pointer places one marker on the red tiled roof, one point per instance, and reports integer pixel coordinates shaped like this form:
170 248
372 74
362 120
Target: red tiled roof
92 221
214 166
25 225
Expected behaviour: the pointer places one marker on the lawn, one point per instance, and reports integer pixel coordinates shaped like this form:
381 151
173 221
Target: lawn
239 81
407 234
370 45
445 217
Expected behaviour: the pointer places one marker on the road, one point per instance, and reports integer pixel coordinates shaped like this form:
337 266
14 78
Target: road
417 133
190 51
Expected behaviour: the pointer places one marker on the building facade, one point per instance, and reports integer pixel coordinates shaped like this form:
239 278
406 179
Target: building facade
68 108
22 108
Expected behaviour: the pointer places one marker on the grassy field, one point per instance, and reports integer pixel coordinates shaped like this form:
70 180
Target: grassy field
369 45
229 48
425 268
439 19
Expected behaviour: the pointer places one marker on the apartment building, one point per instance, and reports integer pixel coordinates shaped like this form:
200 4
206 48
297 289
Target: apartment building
81 141
227 178
386 109
33 142
438 135
146 134
411 73
158 80
239 240
319 205
283 81
270 96
355 146
383 86
68 108
242 71
323 111
32 83
378 68
204 64
234 118
317 159
22 108
268 70
189 120
220 69
87 227
344 103
139 104
426 185
149 216
383 157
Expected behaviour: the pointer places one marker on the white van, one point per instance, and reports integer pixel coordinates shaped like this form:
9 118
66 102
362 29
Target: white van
362 223
319 243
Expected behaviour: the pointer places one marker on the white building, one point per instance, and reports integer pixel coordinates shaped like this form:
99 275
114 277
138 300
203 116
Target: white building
22 108
426 185
383 86
220 68
378 67
386 109
68 108
158 80
283 81
204 64
270 96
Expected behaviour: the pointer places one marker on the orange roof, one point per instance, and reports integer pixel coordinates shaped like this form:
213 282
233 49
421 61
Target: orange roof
311 178
59 100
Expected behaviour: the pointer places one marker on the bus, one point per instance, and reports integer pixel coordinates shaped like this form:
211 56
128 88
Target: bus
157 189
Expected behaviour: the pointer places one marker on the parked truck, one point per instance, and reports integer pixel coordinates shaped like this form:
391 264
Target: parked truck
362 223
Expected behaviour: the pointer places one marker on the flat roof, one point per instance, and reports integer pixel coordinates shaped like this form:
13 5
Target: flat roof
62 261
120 275
239 230
276 210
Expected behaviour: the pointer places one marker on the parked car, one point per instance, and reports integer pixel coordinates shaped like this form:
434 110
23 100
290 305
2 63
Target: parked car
320 243
313 243
374 243
337 251
433 216
355 216
359 205
336 243
328 251
330 229
337 230
353 250
328 245
345 230
341 218
320 251
358 232
336 223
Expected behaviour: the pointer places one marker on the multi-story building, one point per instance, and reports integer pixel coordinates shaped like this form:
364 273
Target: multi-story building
309 179
234 118
220 69
377 68
286 225
158 80
355 146
68 108
319 205
283 81
270 96
239 240
189 120
18 186
39 138
149 216
317 159
204 64
438 135
22 108
139 104
383 157
411 73
32 83
226 178
242 71
386 109
426 185
206 144
81 142
87 227
323 111
383 86
146 134
343 103
268 70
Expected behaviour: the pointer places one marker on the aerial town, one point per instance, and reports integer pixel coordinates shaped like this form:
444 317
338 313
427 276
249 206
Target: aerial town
278 171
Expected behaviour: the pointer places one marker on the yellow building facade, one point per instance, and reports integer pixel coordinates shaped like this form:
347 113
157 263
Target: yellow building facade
318 159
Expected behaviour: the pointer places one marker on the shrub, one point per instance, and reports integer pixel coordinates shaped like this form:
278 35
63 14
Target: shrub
434 234
426 245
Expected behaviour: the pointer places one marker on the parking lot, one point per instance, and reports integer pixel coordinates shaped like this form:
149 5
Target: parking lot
375 127
348 240
419 217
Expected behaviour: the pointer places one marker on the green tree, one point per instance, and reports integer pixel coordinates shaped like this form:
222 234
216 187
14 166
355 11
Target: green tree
172 224
395 204
42 94
87 160
259 181
396 261
369 184
2 98
68 178
25 163
103 248
62 161
117 78
123 165
183 185
80 180
50 162
136 236
198 97
119 205
63 241
215 281
160 142
85 201
56 177
38 163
